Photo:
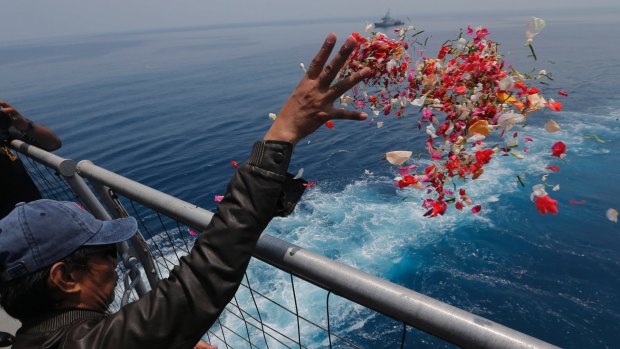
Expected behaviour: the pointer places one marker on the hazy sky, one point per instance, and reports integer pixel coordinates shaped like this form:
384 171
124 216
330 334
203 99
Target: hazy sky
26 19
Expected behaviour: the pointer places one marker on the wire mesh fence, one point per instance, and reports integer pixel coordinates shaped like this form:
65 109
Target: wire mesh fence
272 308
49 181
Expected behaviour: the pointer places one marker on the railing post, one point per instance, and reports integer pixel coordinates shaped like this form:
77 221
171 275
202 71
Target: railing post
67 169
137 241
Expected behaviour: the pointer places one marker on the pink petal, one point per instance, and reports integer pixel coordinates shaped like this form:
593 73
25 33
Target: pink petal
191 232
476 209
218 198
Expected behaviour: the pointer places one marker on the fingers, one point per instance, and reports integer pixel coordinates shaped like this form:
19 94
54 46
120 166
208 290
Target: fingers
344 85
321 57
331 70
4 104
339 113
10 111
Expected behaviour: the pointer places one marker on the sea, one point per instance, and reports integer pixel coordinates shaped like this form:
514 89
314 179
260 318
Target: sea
171 108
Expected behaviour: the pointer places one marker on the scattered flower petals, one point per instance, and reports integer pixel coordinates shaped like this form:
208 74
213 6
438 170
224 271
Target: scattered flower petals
309 184
303 67
192 232
218 198
612 215
562 93
329 124
272 116
463 94
551 126
556 187
398 157
476 209
573 202
299 173
234 164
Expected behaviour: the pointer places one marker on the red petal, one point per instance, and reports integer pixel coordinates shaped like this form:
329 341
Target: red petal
553 168
310 184
329 124
573 202
476 209
234 163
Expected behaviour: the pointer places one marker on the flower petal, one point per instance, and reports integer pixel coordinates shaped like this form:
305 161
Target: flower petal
398 157
612 215
551 126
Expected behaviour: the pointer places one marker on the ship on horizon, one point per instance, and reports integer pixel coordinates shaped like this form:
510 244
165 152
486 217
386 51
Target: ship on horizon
387 21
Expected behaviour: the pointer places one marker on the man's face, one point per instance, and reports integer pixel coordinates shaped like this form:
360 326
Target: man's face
99 280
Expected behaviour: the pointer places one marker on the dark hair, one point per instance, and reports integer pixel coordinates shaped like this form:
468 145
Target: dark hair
29 295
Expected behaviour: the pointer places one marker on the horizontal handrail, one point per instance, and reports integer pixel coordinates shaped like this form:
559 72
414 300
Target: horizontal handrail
183 211
430 315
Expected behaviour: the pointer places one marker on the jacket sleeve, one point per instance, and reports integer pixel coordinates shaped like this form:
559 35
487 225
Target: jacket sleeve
178 312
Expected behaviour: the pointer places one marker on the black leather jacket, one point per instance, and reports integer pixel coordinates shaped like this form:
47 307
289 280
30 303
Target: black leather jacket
178 312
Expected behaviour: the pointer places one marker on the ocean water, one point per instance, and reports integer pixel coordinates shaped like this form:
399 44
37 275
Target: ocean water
172 108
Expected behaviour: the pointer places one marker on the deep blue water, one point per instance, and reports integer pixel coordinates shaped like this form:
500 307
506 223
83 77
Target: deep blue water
171 109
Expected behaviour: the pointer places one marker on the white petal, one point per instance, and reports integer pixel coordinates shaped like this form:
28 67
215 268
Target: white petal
398 157
430 130
539 190
302 66
534 26
299 173
272 116
556 188
418 102
551 126
512 143
612 215
506 83
379 124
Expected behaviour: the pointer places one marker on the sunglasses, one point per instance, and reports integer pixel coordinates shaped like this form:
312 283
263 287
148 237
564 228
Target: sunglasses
110 251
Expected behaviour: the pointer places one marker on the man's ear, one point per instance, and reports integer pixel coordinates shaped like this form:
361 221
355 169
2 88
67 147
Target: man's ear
63 278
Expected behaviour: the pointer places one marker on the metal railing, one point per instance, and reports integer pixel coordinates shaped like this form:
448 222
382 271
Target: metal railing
248 321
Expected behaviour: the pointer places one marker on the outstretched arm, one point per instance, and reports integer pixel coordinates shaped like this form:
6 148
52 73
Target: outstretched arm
177 312
312 102
21 128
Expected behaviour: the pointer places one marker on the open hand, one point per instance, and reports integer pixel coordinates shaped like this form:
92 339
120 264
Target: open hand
311 103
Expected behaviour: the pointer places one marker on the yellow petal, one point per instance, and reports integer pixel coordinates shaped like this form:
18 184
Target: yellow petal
398 157
503 97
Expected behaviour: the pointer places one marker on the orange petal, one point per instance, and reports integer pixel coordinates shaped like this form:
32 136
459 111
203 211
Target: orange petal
480 127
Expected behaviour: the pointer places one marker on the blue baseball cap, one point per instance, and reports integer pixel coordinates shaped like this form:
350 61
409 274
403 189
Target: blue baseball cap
38 234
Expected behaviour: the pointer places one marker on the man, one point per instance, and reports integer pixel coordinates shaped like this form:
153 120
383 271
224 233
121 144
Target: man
15 183
57 263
